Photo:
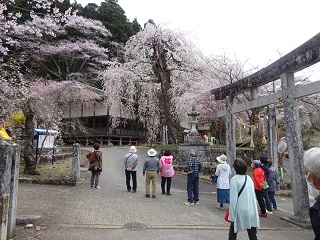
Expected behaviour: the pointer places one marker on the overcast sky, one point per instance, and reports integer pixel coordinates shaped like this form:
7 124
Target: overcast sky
255 30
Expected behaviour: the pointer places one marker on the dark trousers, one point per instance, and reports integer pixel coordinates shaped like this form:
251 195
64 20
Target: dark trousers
193 186
252 233
314 214
267 200
134 179
259 194
163 184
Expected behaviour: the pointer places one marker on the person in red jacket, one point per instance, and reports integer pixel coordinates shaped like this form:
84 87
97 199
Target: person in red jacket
258 179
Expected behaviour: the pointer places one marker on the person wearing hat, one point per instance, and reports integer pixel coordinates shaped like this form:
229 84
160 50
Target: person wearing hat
258 179
223 172
151 168
311 160
130 164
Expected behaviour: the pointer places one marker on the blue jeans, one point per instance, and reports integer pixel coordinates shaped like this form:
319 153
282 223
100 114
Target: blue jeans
267 200
272 199
193 186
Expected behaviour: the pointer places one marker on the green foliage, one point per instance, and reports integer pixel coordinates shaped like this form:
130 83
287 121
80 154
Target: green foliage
113 18
310 137
136 26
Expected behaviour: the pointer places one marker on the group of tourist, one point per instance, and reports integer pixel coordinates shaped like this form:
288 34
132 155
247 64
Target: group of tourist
152 166
241 192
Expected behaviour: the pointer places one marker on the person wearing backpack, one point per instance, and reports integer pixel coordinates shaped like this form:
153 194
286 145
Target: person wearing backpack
273 182
95 165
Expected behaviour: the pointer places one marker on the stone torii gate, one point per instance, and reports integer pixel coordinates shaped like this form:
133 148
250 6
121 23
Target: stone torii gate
300 58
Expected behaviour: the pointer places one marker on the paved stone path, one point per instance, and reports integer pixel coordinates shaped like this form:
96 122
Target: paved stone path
80 211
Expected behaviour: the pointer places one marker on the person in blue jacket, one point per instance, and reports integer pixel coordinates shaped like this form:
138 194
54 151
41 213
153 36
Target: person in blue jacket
264 166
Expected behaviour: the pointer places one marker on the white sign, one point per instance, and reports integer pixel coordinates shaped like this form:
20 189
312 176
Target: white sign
48 143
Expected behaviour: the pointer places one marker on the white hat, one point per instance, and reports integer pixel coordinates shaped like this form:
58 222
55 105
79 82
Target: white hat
152 152
132 149
222 159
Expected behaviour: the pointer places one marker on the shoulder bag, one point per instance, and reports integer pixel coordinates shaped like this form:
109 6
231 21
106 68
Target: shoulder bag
226 216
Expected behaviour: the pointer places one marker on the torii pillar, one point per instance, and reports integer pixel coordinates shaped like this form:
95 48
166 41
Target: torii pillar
230 132
295 148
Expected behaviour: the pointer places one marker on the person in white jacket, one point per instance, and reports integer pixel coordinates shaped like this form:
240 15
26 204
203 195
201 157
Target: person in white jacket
243 210
223 172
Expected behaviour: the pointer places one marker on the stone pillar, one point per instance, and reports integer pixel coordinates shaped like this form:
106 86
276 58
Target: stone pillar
6 151
14 189
295 148
76 162
272 139
230 132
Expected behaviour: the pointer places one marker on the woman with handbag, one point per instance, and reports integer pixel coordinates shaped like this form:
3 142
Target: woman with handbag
243 211
259 181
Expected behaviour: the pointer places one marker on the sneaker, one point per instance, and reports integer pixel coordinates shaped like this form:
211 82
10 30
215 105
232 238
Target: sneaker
129 190
269 212
220 207
168 193
263 214
189 203
134 191
97 187
163 193
275 209
153 196
196 202
147 196
92 186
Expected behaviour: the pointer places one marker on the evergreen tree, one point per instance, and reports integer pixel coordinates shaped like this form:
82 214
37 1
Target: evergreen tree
111 14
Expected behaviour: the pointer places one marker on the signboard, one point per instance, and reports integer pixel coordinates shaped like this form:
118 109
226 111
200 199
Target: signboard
48 141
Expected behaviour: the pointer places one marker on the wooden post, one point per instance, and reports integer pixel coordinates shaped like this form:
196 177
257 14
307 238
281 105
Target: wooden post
76 162
295 148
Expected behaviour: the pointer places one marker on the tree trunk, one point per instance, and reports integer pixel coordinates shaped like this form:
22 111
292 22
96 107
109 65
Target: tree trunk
28 152
162 73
